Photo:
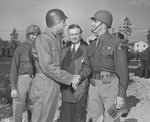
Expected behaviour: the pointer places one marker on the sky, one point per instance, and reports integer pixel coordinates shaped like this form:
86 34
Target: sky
21 13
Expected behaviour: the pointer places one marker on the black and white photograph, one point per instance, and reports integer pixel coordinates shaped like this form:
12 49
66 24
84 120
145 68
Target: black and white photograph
74 61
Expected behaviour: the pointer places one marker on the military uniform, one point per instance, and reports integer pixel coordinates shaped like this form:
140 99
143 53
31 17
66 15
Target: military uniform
73 107
21 75
106 61
45 88
145 61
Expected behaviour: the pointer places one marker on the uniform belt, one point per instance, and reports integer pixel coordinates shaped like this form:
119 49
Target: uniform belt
27 75
102 74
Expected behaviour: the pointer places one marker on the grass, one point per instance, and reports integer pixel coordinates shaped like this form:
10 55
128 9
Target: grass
5 112
5 65
5 68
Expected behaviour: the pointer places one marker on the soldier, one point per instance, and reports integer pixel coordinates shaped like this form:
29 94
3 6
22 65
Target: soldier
106 62
45 87
145 61
22 72
73 107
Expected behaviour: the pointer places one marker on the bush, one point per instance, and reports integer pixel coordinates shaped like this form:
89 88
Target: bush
5 88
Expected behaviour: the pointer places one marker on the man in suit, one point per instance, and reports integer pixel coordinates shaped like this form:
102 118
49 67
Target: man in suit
73 107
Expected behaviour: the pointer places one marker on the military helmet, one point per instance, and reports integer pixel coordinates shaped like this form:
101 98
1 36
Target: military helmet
33 29
104 16
54 16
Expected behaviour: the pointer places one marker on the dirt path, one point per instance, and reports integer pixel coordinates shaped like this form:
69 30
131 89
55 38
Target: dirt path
138 101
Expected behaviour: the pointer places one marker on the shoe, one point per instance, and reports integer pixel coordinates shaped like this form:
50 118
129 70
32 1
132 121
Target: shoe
125 112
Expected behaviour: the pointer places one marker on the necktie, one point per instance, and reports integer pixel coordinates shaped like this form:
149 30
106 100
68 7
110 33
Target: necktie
73 51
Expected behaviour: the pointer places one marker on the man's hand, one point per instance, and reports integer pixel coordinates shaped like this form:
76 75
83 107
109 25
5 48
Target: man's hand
14 93
115 110
75 81
91 38
93 82
119 102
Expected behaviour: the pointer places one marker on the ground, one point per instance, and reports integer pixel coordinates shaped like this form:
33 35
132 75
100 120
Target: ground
138 99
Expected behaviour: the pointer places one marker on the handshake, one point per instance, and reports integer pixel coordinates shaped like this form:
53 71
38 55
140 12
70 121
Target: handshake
75 81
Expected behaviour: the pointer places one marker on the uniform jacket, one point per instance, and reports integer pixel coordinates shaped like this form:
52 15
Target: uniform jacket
47 55
108 55
73 65
45 86
146 55
22 63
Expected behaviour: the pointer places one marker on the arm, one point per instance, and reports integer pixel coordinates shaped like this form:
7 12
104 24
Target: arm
14 70
49 61
86 67
121 67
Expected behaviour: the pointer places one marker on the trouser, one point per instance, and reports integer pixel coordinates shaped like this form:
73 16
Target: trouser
73 112
44 95
145 69
143 66
100 98
23 86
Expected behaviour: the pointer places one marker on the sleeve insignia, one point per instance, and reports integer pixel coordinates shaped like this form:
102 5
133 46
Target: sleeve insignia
120 47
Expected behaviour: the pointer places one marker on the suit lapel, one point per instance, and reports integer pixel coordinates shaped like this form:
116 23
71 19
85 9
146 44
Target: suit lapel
69 62
66 60
78 54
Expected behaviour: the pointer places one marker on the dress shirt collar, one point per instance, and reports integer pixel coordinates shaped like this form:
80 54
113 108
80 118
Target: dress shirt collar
76 46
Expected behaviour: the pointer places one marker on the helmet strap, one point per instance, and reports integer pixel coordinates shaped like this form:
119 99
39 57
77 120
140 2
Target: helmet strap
96 27
30 41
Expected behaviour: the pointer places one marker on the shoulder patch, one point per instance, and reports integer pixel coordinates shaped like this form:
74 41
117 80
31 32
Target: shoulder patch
121 45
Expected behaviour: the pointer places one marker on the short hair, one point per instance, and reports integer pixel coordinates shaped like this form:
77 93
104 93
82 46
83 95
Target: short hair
72 26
